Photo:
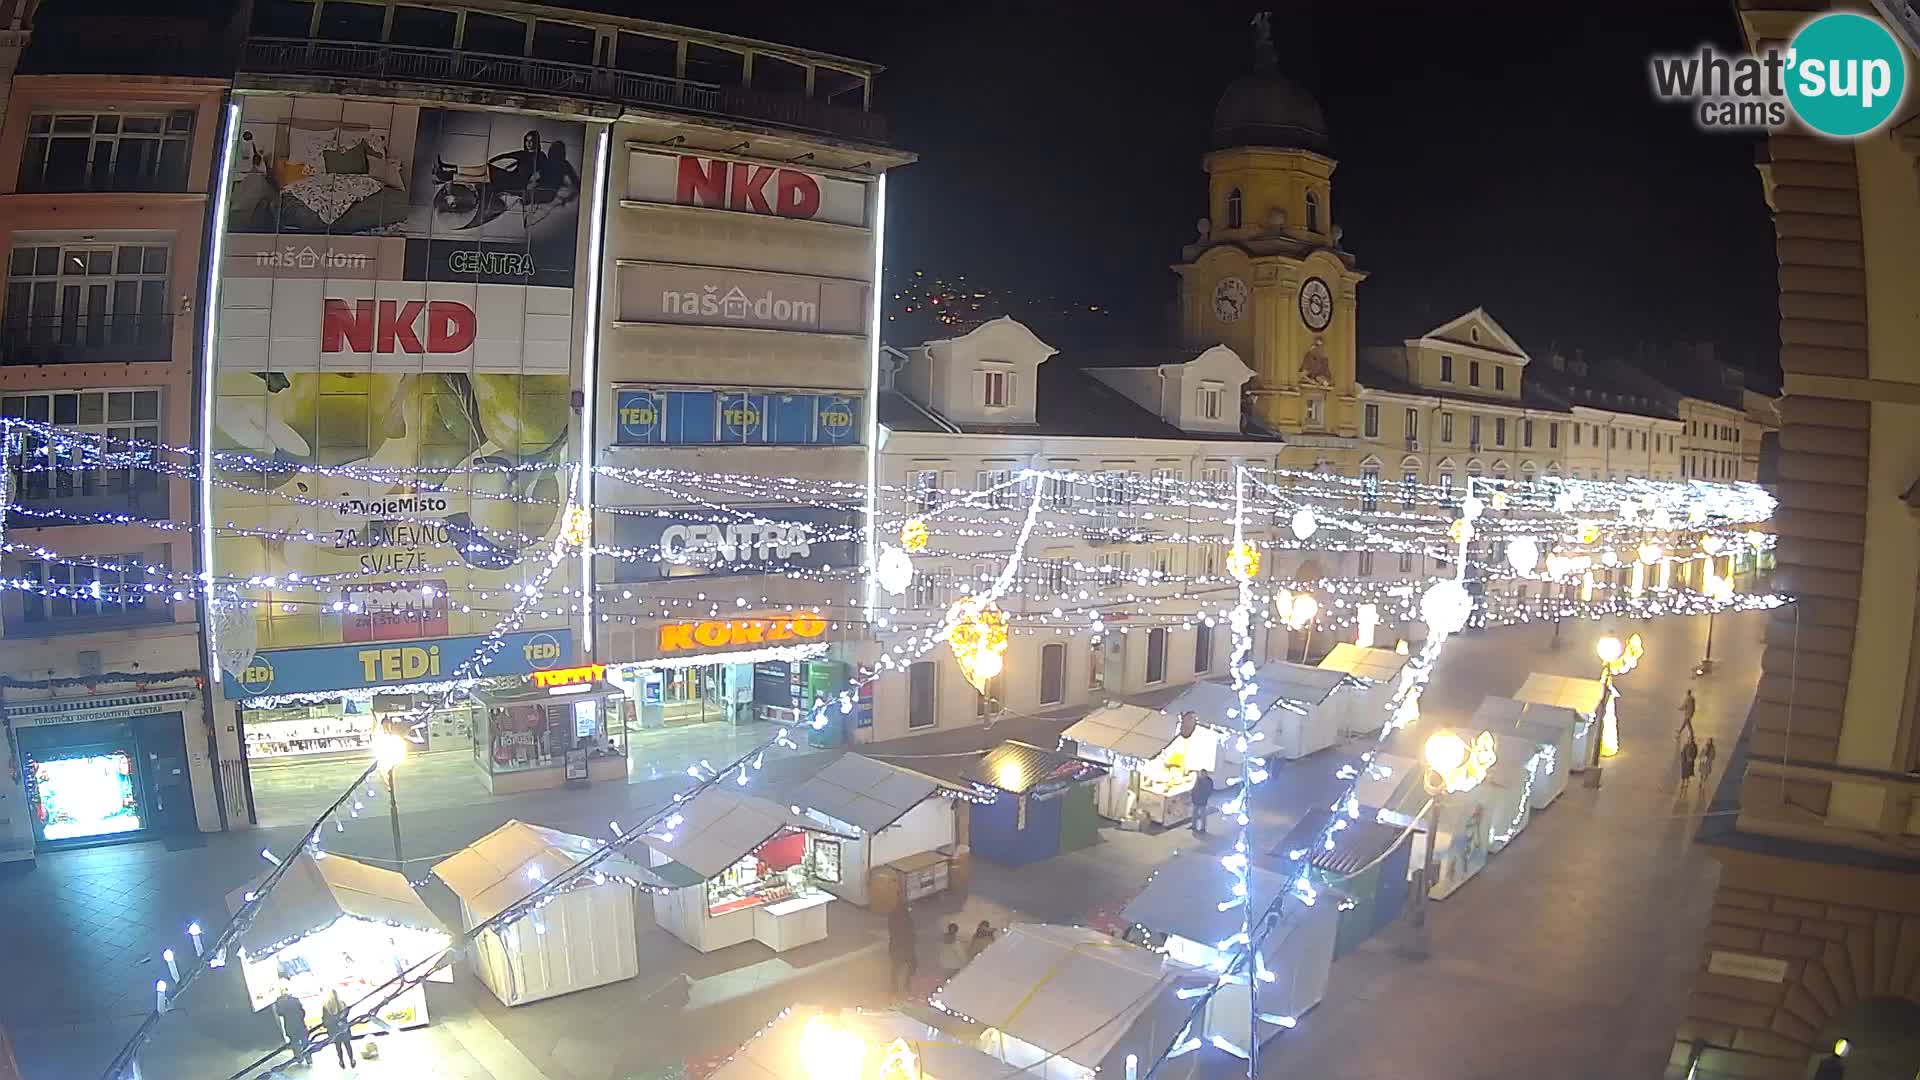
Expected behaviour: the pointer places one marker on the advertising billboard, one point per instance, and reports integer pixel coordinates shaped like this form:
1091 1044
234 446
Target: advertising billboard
697 416
763 540
396 335
718 296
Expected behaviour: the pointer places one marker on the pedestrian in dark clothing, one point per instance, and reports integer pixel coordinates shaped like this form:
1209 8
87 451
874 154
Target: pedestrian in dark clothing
1707 754
334 1017
1689 752
293 1025
982 937
900 948
1687 706
1202 795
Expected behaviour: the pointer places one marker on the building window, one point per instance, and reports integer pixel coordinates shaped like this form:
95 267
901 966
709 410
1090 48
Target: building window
1613 438
1053 576
64 478
1473 432
1316 412
1056 492
1214 476
1313 212
996 389
1409 485
1499 377
1210 396
1526 433
1446 427
1156 655
1365 568
1446 484
922 681
988 701
926 490
104 591
1370 487
1553 437
1202 649
1372 420
1406 562
1473 373
1053 674
1499 431
111 151
1163 560
1446 369
1413 428
1209 566
1473 334
88 303
997 485
1235 212
1594 430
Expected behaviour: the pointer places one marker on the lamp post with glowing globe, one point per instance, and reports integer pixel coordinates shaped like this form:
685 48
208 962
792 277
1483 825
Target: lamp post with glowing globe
389 750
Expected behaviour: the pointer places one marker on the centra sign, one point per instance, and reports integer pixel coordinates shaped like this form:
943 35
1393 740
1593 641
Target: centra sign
734 633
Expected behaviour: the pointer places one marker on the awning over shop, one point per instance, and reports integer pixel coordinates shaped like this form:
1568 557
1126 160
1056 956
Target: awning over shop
1134 731
777 1052
719 827
1377 665
1183 897
1018 768
1072 991
1580 695
315 892
497 870
864 792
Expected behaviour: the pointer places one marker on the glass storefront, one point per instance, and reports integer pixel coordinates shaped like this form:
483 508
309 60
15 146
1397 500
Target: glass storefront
524 727
346 726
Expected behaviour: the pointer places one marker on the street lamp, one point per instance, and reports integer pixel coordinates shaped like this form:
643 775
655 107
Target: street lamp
1452 765
389 750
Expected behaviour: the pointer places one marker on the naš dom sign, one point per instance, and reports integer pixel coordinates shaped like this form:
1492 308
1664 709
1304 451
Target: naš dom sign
799 627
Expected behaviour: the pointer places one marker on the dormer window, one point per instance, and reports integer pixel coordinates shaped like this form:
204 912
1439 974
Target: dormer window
1473 334
1235 209
996 389
1209 400
1313 212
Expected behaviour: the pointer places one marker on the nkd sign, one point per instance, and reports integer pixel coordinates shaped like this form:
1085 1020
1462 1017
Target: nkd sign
396 326
745 187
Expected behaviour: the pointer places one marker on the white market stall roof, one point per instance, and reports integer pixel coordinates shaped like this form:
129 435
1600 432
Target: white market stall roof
719 827
1183 897
1379 665
1279 680
1386 776
775 1054
865 792
497 870
315 892
1131 730
1501 714
1580 695
1067 990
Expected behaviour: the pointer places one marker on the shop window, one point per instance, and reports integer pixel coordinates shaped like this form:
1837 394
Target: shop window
422 27
102 592
735 417
1156 656
1202 649
107 151
68 479
1053 674
922 679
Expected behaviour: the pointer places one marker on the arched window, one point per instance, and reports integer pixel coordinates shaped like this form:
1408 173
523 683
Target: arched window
1234 214
1313 212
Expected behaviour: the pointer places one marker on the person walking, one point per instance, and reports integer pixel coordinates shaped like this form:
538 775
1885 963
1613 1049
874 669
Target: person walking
1689 752
953 951
1707 754
293 1025
1687 705
982 937
1202 795
900 948
333 1017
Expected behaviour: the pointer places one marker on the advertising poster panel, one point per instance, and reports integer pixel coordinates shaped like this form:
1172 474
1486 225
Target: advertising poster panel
396 334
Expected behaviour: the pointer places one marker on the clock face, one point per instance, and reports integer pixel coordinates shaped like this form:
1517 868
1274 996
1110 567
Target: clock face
1229 299
1316 304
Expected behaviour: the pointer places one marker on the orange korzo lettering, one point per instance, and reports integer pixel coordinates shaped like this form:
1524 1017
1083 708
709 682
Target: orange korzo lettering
677 637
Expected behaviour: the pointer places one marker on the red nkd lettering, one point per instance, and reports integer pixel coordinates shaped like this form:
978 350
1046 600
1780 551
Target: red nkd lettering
796 195
389 326
701 183
737 185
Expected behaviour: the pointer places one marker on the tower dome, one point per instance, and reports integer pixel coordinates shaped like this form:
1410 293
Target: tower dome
1265 108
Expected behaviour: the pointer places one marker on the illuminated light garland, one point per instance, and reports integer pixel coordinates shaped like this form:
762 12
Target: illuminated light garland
978 639
913 535
1243 561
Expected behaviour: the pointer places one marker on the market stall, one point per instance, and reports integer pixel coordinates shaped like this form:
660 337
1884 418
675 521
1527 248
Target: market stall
585 936
739 868
1066 1002
552 728
1299 712
1152 756
904 824
808 1042
1375 675
1366 868
1549 727
1508 788
1037 804
335 924
1393 790
1180 912
1582 696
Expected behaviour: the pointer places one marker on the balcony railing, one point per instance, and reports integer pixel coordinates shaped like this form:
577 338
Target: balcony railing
39 504
86 339
383 62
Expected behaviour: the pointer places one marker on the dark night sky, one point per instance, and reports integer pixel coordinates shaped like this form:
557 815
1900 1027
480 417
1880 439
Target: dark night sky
1506 154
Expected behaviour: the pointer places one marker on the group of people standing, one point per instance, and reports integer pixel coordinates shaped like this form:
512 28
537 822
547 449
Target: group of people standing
334 1020
903 947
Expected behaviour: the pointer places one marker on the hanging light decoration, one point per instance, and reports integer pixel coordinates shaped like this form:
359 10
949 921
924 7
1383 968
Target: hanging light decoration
893 570
1649 553
913 535
1303 523
1499 500
1471 507
1589 532
1712 544
978 639
1445 607
1243 562
1461 531
1523 554
576 528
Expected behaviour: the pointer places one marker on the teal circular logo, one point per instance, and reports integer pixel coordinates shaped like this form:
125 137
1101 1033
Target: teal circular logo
1846 74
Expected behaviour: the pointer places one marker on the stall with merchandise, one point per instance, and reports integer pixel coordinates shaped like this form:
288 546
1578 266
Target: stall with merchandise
1032 804
1375 676
1153 756
905 829
1582 696
1550 728
551 728
738 868
1179 912
1298 705
808 1043
583 937
1069 1003
335 924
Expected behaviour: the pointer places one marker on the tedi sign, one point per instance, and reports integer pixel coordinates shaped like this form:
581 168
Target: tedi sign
394 326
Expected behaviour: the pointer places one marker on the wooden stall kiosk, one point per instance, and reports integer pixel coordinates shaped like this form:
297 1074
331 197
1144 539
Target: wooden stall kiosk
905 825
1035 804
1067 1003
1298 712
808 1043
1510 802
584 937
1151 756
1549 727
1376 676
1365 869
336 924
739 868
1582 696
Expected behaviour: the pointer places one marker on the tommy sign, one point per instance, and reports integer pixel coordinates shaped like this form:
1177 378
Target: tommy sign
745 187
